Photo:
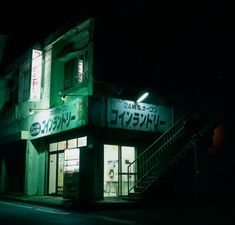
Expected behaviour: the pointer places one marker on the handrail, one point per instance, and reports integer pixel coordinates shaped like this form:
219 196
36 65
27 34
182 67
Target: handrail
157 153
161 136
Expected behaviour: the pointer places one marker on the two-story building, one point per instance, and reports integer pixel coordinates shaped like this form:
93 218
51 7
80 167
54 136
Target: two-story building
70 127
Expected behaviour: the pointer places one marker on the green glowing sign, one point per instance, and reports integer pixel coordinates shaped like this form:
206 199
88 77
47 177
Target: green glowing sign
66 117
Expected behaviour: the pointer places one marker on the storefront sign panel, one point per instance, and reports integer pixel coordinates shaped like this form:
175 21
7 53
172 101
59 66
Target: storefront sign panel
36 74
51 121
138 116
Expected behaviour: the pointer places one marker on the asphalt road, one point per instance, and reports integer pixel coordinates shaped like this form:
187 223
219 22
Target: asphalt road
14 213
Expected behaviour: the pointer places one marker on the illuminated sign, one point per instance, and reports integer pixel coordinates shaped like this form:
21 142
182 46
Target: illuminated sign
36 74
80 70
71 163
138 116
65 117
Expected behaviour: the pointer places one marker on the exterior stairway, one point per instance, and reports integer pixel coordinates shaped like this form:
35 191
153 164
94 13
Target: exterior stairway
161 155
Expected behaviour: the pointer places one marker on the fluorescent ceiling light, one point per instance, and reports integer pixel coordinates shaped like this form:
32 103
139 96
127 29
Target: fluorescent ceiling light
142 97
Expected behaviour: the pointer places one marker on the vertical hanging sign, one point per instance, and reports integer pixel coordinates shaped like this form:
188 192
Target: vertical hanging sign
36 75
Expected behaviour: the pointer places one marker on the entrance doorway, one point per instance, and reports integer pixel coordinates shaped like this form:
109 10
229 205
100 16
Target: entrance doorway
116 161
56 173
64 166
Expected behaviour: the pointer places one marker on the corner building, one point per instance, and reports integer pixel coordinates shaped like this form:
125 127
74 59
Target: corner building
68 126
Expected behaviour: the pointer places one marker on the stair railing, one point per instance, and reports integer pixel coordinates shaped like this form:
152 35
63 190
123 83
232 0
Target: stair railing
151 162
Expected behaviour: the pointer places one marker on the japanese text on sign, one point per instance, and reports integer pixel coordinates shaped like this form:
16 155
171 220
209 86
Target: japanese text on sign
36 74
58 119
138 116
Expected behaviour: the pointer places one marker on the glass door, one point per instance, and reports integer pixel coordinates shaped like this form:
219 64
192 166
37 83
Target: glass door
110 170
64 166
116 161
56 174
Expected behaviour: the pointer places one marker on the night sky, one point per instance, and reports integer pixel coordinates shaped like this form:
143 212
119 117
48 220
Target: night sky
192 38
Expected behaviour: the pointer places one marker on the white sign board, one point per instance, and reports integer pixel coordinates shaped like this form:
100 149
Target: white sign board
138 116
36 75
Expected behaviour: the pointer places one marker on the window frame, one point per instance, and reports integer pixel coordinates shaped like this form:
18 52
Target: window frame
72 76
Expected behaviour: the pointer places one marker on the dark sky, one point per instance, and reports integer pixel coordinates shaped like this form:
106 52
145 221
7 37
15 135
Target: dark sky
30 21
189 34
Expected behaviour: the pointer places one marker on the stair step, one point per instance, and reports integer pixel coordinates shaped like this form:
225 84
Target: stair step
162 154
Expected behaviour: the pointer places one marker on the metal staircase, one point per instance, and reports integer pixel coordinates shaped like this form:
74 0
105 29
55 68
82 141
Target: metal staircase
154 161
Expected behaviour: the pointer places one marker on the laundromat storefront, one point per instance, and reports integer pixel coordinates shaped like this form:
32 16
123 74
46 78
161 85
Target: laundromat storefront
84 164
129 115
63 155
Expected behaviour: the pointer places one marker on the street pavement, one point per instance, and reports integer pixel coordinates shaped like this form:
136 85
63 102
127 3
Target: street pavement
34 210
14 213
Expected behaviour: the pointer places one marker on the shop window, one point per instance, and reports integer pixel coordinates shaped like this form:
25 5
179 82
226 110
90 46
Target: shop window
72 143
53 147
72 160
76 71
82 141
61 145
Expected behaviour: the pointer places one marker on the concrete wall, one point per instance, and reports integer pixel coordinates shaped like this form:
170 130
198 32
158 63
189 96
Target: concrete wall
35 169
91 170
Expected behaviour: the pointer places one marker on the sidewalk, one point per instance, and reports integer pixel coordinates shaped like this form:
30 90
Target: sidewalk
59 202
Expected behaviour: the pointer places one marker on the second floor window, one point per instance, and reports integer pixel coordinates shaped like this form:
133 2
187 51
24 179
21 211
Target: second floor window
76 71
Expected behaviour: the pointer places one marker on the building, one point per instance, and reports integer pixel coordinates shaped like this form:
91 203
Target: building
71 127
